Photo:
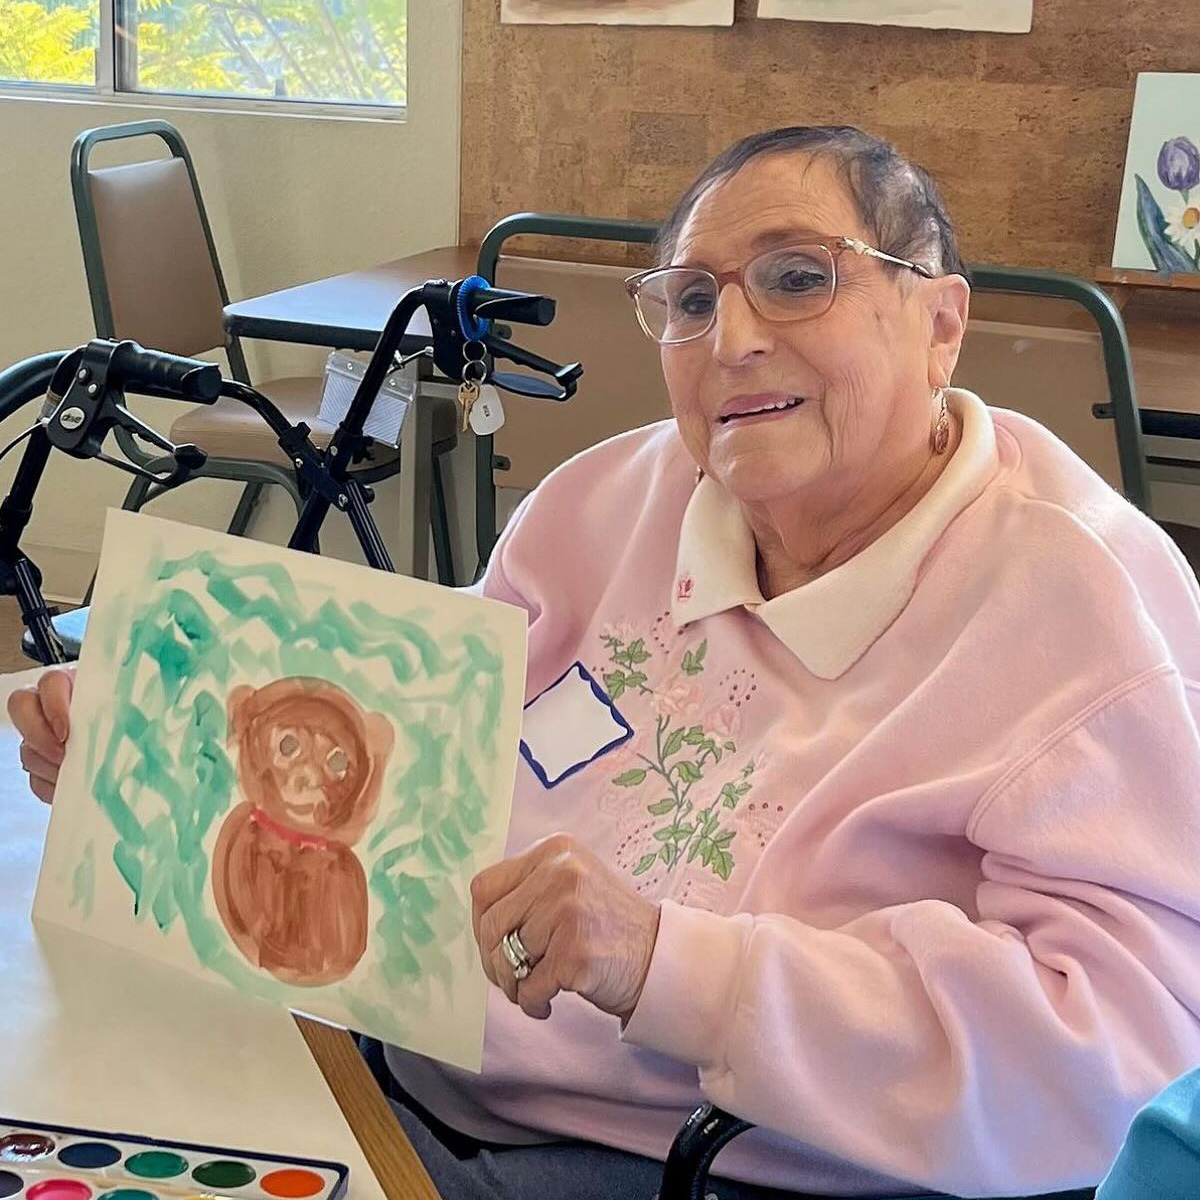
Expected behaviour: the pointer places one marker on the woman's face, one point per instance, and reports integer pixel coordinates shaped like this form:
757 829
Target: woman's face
863 374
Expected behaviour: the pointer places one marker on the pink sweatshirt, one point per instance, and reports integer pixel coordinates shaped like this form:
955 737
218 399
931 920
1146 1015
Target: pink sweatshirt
925 831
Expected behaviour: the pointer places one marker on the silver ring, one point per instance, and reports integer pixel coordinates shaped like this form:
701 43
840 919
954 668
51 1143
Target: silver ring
517 956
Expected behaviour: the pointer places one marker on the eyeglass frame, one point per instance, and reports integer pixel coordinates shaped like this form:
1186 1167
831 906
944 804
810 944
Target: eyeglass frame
841 244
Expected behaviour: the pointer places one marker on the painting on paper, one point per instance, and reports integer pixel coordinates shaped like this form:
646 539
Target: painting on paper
997 16
283 773
1159 223
617 12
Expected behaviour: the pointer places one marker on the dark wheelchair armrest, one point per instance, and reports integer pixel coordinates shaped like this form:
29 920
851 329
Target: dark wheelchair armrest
709 1129
704 1133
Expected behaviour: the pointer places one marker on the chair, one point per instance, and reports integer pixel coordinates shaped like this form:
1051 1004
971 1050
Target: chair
153 275
1054 347
621 387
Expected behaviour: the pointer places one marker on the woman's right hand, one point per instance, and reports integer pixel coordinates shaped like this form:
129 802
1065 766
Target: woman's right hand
41 714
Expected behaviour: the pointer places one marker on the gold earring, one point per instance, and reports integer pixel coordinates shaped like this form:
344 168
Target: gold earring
939 439
699 475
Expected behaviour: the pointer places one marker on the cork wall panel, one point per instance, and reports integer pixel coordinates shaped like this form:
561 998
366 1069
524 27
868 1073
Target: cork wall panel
1026 133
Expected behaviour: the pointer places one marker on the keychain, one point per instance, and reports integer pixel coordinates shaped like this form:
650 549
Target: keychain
474 372
487 413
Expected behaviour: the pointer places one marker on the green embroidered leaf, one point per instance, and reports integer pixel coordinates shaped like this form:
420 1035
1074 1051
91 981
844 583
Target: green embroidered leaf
742 788
614 681
728 797
723 864
695 736
645 863
665 835
637 651
635 679
689 772
695 849
723 839
665 855
701 651
711 747
707 852
673 744
630 778
731 747
659 807
684 831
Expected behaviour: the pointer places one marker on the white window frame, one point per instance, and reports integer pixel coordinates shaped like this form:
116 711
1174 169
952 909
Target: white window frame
105 90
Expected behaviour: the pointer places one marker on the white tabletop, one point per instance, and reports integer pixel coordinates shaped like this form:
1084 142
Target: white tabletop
97 1039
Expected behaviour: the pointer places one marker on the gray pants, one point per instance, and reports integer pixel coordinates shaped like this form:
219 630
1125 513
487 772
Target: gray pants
559 1171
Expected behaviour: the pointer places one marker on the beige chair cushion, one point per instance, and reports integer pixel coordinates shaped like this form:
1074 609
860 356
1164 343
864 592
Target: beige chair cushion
157 265
230 429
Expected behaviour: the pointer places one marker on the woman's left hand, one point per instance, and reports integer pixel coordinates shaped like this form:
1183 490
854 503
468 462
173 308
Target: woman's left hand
584 927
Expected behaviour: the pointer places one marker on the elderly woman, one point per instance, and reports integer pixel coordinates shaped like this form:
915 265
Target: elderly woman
860 765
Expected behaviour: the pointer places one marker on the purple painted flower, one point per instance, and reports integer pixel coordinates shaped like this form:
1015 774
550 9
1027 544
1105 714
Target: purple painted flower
1179 164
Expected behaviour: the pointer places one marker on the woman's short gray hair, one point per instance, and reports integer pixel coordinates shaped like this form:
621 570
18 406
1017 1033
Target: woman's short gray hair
897 200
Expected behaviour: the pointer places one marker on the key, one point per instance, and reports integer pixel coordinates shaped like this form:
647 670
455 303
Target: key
468 393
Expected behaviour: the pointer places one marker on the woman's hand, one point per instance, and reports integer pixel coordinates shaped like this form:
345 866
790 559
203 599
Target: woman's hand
41 714
584 927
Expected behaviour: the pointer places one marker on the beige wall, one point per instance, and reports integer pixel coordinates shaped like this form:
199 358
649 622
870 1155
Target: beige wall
290 199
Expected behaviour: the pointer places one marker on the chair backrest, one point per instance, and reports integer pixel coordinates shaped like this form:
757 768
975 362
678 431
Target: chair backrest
1020 354
621 387
1064 378
148 251
622 384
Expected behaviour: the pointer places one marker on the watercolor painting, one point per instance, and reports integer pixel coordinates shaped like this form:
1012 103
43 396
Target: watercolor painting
283 773
994 16
616 12
1158 227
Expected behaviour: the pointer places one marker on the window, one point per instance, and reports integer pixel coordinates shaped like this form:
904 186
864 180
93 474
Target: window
263 51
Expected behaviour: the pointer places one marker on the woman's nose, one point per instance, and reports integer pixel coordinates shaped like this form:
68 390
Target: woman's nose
739 332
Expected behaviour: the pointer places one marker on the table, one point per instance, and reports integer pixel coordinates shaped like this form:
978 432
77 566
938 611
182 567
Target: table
210 1065
348 312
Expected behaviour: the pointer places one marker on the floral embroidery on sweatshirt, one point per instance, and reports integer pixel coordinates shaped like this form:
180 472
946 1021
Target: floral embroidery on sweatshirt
686 775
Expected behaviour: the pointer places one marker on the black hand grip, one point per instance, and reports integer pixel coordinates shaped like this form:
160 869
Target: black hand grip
522 307
154 373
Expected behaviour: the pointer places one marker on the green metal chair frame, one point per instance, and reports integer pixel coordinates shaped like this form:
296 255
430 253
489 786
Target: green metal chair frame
1118 364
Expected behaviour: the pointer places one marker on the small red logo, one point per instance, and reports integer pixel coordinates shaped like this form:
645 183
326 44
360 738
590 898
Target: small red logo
684 588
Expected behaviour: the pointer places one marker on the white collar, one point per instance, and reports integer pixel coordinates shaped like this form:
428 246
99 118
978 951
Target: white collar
830 623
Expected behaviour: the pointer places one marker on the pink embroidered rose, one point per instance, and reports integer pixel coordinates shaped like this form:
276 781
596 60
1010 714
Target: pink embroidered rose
724 721
684 588
678 699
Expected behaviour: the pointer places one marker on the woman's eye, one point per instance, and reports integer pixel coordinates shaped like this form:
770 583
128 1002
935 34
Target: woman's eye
799 279
289 744
337 762
696 303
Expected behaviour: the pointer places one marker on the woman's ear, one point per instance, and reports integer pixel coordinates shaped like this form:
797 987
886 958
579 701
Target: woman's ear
949 306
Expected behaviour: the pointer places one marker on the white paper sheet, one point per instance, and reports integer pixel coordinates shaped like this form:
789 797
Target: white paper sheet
616 12
1000 16
283 773
94 1038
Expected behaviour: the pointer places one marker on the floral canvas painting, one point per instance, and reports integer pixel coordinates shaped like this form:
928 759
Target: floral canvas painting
1159 223
283 772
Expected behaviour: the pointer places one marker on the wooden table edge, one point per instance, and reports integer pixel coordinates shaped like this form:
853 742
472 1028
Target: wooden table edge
386 1147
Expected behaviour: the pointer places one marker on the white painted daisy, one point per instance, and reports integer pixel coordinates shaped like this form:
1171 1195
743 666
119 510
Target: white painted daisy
1183 225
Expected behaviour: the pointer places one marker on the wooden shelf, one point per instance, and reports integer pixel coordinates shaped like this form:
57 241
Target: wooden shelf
1121 277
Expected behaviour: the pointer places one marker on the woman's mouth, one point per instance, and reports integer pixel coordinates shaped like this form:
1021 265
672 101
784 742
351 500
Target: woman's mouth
745 408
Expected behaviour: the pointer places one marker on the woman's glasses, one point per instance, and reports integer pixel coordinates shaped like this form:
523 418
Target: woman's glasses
794 283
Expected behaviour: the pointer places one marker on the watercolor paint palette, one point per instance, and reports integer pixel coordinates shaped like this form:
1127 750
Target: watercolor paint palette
55 1162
